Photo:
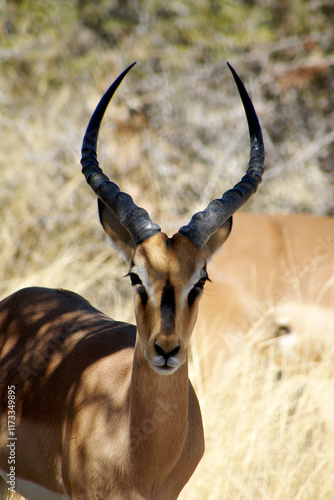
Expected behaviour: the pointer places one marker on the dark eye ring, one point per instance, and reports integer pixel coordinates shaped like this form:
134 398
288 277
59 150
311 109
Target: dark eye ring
200 283
135 280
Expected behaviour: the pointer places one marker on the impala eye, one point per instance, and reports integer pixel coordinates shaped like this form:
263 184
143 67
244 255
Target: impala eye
197 290
135 280
200 283
140 289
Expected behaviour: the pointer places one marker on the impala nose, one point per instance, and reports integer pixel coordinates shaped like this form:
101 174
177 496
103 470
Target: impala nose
161 352
166 349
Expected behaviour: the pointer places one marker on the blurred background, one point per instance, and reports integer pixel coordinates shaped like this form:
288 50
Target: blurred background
174 138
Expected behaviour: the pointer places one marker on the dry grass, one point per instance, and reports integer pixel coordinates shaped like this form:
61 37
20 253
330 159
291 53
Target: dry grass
269 432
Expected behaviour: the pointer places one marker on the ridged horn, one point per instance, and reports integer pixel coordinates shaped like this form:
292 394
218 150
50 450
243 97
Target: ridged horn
135 219
204 224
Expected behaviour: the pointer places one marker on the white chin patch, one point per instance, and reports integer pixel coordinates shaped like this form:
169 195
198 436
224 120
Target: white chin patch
165 369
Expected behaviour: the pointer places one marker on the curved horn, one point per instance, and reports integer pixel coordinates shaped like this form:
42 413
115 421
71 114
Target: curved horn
204 224
135 219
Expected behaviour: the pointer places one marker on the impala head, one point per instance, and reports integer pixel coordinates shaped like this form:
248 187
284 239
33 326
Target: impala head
167 274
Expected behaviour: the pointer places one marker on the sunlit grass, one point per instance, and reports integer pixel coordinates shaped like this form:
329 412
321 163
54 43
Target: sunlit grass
269 431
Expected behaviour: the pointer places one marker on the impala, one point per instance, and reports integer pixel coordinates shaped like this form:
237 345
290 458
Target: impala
282 289
104 409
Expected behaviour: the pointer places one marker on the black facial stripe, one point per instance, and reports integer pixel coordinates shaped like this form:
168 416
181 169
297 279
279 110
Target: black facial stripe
198 288
167 308
143 295
194 293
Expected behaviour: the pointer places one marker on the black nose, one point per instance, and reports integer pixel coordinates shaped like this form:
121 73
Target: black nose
159 350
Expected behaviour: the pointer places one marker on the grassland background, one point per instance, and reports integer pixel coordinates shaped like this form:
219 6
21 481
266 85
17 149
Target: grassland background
175 138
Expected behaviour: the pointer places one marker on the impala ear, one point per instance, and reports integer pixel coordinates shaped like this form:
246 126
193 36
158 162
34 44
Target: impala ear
118 234
217 239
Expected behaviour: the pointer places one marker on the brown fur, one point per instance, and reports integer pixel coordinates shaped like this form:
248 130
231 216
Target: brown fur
88 422
268 264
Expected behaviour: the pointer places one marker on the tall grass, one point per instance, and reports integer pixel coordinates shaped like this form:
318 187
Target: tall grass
269 432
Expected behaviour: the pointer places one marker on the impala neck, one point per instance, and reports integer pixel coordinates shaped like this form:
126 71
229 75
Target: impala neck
158 414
